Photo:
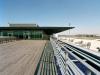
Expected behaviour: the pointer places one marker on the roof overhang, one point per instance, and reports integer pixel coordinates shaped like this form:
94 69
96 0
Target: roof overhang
47 30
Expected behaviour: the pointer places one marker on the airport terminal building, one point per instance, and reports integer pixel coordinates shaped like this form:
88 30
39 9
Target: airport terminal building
30 31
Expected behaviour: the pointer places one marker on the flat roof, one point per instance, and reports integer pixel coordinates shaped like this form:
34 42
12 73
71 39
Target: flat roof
47 30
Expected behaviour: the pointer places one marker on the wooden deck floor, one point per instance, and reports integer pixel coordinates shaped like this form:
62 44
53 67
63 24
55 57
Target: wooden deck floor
20 57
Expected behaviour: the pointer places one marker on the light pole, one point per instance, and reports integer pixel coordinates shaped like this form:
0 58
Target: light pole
69 32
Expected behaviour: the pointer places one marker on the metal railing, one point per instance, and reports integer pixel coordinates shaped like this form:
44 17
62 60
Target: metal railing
7 39
75 61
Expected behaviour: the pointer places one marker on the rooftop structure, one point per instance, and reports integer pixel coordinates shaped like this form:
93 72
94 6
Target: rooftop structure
30 31
22 25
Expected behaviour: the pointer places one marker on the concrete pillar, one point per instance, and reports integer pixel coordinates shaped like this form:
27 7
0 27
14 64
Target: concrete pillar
1 33
42 36
25 34
28 35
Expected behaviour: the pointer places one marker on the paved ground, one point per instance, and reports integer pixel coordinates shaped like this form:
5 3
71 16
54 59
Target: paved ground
20 57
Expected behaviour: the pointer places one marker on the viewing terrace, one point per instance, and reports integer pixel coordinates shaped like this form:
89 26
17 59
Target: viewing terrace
20 57
47 57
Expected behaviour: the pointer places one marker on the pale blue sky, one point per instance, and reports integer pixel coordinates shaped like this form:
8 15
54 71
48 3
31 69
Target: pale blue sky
82 14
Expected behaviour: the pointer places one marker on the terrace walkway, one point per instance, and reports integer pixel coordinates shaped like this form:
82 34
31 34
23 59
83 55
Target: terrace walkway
20 57
47 65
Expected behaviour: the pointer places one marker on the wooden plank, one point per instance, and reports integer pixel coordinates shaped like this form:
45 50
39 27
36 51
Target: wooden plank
20 57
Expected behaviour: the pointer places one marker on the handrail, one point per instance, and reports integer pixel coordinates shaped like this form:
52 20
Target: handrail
80 56
7 39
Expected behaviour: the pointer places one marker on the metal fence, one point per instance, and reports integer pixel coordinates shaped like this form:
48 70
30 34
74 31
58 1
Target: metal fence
7 39
75 61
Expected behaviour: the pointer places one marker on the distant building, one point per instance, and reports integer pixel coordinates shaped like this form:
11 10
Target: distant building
85 35
30 31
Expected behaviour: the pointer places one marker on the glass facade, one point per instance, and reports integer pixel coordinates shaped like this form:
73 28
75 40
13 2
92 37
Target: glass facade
23 34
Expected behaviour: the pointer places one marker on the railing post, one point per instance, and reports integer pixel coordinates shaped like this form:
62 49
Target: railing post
66 58
89 72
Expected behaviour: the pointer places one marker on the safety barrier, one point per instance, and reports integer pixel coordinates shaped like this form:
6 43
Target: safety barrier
7 39
75 61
